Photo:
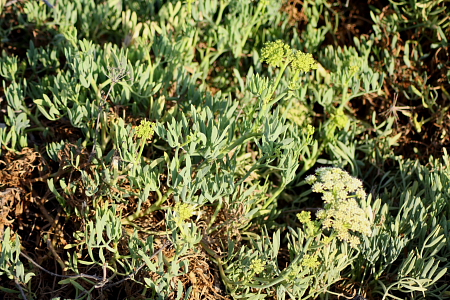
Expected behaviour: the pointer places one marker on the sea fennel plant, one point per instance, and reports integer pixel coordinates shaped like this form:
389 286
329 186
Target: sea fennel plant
202 149
199 150
319 249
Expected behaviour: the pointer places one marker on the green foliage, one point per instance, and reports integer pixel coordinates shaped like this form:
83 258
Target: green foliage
173 132
10 263
317 257
399 245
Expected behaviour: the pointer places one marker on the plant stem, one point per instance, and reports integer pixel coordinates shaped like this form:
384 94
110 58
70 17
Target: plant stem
156 206
274 196
216 212
267 101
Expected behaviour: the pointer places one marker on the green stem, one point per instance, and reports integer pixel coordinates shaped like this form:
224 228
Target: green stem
228 149
274 196
241 140
219 263
154 207
344 96
138 158
149 232
267 101
255 18
223 5
277 81
34 129
96 89
312 161
255 166
216 212
35 120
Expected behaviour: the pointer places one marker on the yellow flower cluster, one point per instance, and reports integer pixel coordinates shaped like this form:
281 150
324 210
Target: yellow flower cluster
279 53
257 265
183 211
303 62
310 261
307 266
340 119
304 217
275 53
145 130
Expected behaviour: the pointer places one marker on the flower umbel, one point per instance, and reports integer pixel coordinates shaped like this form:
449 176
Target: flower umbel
304 217
257 265
310 261
278 53
340 119
311 228
303 62
341 212
337 182
183 211
275 53
145 130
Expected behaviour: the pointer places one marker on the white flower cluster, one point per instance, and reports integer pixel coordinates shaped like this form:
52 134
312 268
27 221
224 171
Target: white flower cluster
341 210
335 184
